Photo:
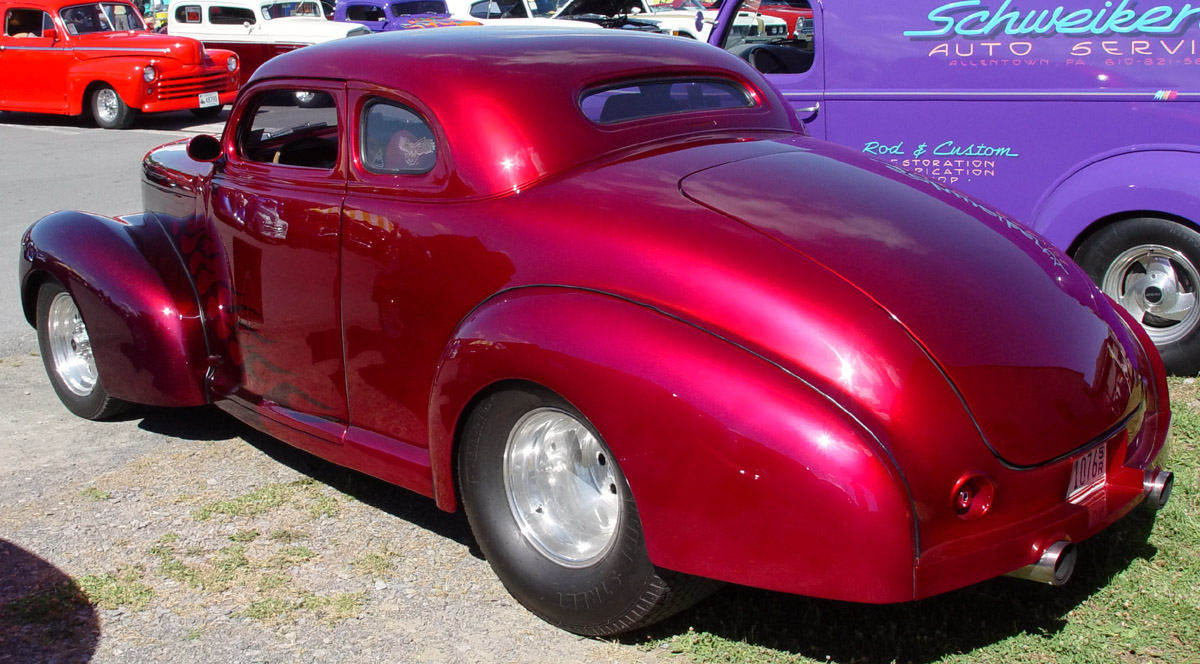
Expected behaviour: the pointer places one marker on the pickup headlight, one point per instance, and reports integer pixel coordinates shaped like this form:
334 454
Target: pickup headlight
232 63
149 73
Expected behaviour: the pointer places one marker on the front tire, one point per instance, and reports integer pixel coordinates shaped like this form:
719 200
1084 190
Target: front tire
556 520
109 110
1152 268
67 354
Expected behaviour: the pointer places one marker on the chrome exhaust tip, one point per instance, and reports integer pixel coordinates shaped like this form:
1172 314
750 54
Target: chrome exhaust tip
1055 566
1158 485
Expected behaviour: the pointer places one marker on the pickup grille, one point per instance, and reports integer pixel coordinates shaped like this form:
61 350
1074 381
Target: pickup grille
189 86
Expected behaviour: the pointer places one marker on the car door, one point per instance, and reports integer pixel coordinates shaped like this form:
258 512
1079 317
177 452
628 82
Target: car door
34 62
794 64
276 202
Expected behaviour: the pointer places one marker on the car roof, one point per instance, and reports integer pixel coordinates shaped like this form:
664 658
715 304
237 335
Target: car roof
497 91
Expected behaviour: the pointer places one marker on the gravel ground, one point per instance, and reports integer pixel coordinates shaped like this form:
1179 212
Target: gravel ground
183 536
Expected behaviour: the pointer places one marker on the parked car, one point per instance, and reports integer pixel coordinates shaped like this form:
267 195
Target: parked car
257 30
625 314
70 58
1080 119
386 15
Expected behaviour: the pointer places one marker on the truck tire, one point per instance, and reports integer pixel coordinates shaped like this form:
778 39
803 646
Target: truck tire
1151 267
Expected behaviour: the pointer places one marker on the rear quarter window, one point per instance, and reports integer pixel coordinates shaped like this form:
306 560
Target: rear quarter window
648 99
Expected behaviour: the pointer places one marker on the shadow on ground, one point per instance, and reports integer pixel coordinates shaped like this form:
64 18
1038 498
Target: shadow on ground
924 631
209 423
170 121
44 617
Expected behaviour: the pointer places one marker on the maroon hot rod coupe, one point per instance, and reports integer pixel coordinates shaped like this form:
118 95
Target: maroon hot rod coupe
601 291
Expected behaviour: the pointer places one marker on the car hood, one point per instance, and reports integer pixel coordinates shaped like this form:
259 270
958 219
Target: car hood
187 51
1036 353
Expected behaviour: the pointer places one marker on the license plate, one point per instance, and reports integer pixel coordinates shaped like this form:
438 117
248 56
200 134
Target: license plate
209 99
1086 471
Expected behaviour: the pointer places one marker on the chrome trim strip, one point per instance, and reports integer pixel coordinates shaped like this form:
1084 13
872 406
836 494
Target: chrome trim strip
1027 94
164 51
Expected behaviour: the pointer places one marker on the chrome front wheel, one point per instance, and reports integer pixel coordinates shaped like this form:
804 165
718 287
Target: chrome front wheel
70 347
109 110
67 353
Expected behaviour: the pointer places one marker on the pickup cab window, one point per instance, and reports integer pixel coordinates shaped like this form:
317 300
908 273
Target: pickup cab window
225 15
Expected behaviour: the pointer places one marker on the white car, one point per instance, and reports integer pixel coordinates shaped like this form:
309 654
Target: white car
257 30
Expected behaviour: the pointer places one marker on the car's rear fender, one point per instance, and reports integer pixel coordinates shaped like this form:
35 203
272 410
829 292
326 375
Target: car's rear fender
741 471
134 296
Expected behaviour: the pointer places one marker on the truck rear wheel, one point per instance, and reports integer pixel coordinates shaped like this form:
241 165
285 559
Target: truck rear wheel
1151 267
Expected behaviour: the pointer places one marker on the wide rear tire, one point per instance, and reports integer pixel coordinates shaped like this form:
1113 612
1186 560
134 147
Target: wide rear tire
555 518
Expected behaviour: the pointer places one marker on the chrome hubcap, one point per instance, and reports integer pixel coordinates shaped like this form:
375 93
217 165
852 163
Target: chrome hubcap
1158 286
70 348
562 487
106 104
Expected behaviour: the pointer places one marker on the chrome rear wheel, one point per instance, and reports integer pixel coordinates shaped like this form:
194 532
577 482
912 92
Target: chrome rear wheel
70 347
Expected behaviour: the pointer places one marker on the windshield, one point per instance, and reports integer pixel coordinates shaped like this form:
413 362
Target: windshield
295 8
101 17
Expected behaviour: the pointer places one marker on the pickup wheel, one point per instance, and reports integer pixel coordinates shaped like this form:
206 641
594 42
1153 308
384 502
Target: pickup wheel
554 517
109 110
67 353
1151 267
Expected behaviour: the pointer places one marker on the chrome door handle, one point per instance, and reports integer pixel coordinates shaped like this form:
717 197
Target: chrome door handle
807 113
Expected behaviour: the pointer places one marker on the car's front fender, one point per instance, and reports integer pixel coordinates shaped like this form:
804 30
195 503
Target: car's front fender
134 296
741 471
123 74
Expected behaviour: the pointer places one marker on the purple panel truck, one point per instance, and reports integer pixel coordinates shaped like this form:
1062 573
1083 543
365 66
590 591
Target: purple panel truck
1081 118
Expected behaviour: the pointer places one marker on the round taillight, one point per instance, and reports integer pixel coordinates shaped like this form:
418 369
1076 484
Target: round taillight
972 496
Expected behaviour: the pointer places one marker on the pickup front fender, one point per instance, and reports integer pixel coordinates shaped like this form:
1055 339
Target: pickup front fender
740 470
134 296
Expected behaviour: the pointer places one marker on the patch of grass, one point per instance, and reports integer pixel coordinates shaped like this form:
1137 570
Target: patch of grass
270 582
325 608
96 495
287 536
291 555
49 605
267 609
377 564
302 494
111 591
244 536
1134 598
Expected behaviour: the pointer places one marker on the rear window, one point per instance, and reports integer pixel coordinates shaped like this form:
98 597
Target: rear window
648 99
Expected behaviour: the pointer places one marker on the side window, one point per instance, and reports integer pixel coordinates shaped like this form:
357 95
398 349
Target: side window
647 99
365 13
292 128
485 9
25 22
774 36
187 14
221 15
395 140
